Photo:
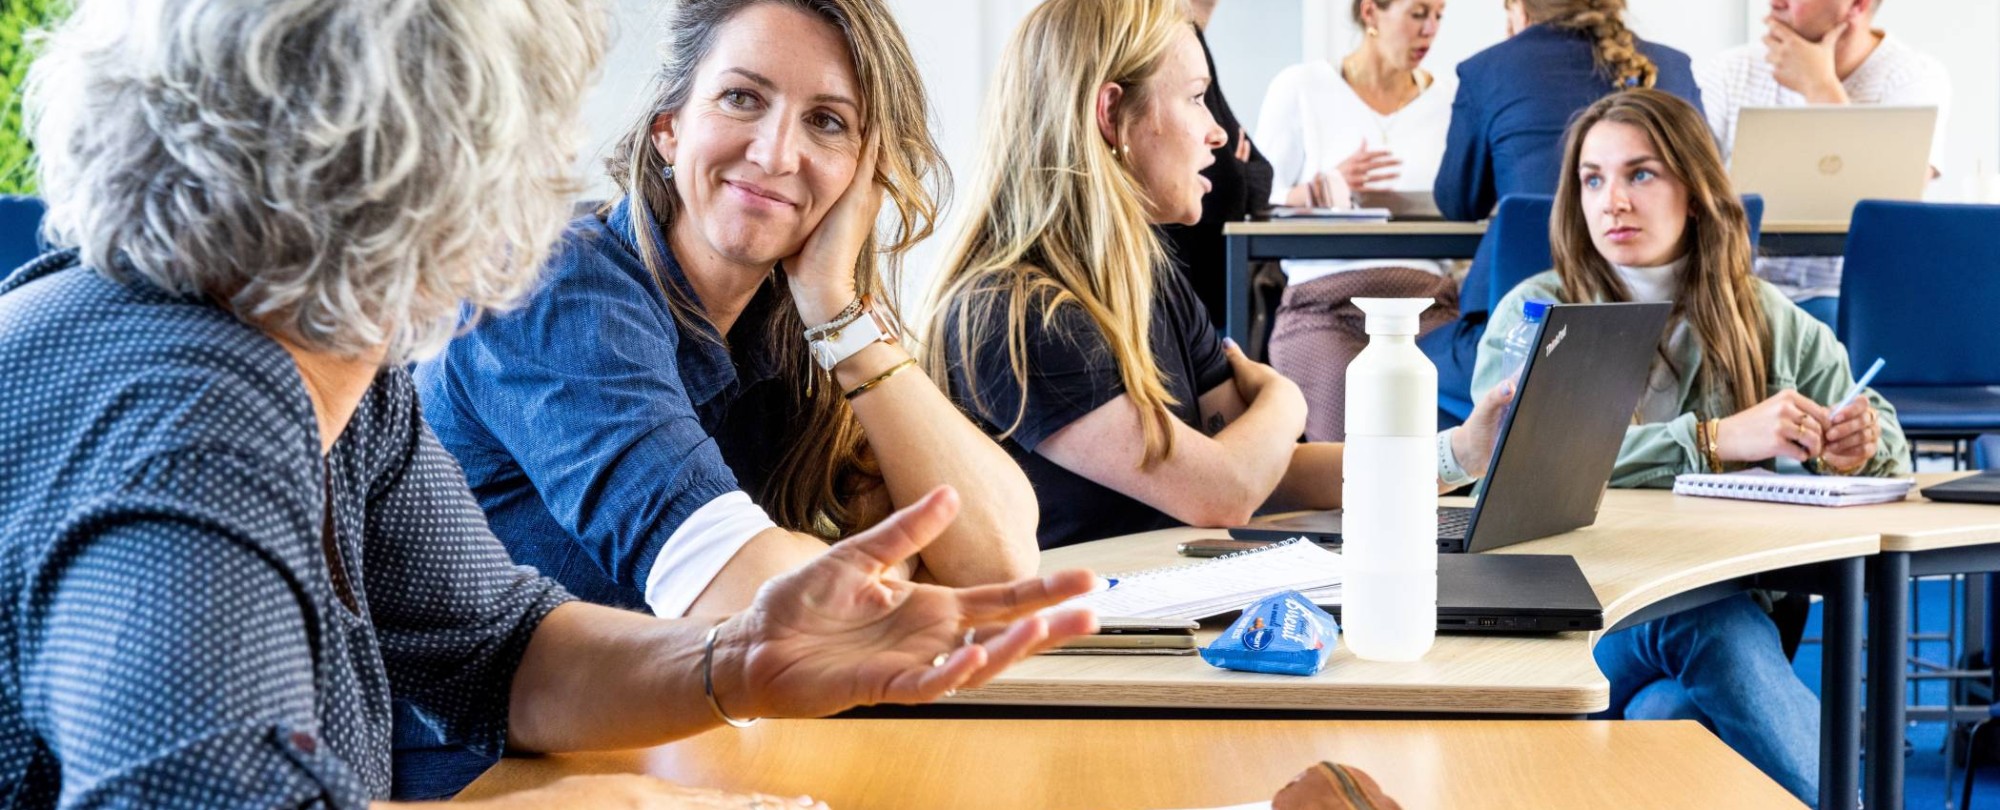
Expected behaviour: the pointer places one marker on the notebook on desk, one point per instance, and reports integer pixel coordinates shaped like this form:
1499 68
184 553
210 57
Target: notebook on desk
1503 593
1812 490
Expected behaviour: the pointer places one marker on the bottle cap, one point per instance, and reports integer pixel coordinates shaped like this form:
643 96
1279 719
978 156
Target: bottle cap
1393 316
1535 311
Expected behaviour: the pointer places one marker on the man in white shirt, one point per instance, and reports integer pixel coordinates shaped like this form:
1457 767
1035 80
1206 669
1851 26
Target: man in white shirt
1819 52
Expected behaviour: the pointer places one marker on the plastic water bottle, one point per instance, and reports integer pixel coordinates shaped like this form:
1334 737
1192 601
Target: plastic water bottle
1520 340
1388 492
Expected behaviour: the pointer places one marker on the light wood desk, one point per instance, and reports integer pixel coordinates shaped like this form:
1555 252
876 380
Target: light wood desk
1112 764
1918 537
1633 558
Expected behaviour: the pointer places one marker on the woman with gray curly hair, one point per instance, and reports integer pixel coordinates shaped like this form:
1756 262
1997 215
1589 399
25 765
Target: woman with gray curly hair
227 540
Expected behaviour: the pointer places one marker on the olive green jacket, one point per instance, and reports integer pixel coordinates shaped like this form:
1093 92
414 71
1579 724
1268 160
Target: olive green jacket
1804 355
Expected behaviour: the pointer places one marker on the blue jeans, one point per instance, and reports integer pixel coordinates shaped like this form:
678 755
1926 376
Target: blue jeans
425 762
1720 664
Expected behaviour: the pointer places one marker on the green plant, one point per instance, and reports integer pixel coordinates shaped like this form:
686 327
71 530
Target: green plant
17 19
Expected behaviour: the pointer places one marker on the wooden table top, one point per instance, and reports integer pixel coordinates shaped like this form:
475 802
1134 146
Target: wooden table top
1114 764
1643 548
1913 524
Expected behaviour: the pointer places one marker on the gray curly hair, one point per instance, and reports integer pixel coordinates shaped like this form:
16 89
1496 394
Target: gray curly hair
345 174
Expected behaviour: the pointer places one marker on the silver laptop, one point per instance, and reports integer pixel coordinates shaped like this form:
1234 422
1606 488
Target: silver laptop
1814 163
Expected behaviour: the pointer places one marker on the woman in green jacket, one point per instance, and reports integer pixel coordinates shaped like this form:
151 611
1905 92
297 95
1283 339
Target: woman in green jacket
1742 377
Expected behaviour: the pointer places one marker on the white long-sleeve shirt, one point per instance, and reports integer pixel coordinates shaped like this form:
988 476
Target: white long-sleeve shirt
1312 120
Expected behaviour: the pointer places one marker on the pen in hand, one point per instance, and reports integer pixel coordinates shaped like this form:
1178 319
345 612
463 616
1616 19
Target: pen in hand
1866 378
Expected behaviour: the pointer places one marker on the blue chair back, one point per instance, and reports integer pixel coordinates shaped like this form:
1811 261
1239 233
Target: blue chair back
20 231
1919 289
1519 234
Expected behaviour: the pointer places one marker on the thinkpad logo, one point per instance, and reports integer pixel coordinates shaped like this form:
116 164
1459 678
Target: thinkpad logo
1555 341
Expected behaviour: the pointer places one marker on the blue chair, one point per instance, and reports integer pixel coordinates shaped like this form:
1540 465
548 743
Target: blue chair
20 231
1918 290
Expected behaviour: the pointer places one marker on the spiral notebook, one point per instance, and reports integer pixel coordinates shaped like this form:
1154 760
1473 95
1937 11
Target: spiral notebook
1814 490
1220 585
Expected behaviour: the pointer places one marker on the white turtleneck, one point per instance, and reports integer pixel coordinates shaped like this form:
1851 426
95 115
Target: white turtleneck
1651 285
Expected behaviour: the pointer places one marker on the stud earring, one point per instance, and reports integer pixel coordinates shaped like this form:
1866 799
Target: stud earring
667 173
1372 32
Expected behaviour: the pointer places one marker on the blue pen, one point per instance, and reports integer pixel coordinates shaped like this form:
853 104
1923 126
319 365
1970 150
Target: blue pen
1110 582
1859 384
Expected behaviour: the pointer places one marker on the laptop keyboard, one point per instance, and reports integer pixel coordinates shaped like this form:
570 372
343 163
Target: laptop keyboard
1454 521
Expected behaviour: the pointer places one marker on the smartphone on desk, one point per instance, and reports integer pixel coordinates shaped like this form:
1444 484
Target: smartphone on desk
1219 546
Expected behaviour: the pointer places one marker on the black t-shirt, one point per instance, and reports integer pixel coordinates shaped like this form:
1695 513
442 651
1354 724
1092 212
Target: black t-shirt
1237 188
1072 372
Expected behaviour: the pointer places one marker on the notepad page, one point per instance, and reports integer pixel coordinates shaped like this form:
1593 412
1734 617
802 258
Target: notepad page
1218 586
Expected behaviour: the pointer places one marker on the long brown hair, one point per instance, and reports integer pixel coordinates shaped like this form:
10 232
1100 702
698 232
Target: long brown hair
1056 218
822 465
1718 295
1617 52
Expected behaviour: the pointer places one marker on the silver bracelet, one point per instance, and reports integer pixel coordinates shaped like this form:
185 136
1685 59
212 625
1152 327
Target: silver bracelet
708 680
847 315
1450 473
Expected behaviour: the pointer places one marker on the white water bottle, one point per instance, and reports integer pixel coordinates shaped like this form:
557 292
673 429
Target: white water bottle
1388 494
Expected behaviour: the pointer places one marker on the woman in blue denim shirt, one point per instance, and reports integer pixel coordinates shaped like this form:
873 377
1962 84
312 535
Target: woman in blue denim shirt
228 545
710 384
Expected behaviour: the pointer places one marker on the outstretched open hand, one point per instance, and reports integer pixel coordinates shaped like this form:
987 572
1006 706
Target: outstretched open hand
842 632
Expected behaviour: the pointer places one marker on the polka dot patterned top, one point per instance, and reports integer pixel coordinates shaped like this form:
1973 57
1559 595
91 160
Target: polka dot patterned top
199 610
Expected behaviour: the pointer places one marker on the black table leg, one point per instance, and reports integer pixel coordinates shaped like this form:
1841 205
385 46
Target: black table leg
1888 637
1840 688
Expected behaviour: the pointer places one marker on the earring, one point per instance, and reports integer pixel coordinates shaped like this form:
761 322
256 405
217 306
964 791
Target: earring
667 173
1372 32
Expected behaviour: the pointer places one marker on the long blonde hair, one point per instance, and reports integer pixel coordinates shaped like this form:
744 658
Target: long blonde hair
1616 51
1718 294
823 465
1056 218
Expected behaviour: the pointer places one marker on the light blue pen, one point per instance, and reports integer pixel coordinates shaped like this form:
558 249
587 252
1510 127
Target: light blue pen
1859 384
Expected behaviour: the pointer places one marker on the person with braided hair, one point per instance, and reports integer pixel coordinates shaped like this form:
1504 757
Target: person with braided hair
1515 98
1514 101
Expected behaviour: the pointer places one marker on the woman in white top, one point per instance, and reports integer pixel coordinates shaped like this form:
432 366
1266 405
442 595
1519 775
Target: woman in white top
1374 121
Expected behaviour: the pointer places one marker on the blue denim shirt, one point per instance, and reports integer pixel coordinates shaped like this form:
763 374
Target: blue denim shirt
592 422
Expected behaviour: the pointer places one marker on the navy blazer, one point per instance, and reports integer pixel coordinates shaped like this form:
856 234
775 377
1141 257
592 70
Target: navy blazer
1514 101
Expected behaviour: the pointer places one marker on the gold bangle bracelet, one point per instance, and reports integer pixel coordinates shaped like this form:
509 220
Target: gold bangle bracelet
893 371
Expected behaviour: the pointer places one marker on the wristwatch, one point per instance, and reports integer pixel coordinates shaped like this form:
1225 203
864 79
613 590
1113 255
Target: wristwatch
833 346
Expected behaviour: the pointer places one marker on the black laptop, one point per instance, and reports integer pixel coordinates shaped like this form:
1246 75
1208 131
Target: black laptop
1981 488
1558 442
1513 593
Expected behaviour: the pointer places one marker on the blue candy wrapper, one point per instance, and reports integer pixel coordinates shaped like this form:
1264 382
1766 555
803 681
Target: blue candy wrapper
1284 634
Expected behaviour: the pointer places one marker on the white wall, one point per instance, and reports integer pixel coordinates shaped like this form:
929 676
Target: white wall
958 42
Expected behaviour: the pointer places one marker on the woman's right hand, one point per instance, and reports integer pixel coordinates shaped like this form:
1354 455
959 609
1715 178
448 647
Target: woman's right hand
1254 379
1364 169
636 792
1788 424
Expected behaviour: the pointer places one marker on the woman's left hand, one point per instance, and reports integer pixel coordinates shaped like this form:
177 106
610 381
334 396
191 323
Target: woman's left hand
1853 436
1473 441
841 632
822 272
